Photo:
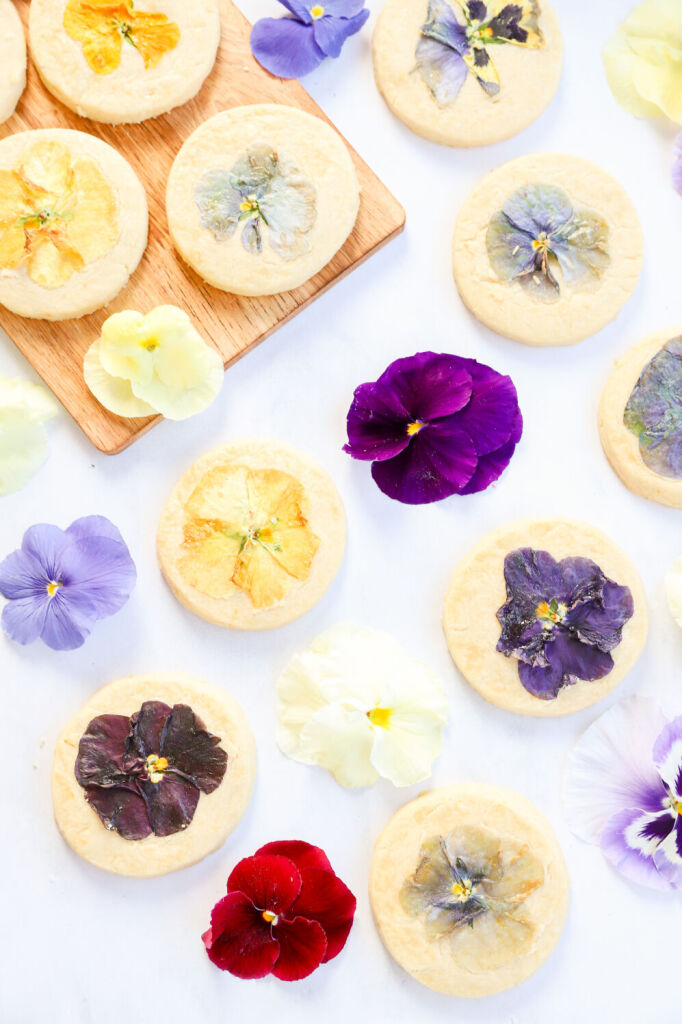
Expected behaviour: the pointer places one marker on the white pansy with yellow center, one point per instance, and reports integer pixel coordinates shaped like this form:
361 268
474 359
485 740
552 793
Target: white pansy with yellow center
356 704
673 590
158 363
24 410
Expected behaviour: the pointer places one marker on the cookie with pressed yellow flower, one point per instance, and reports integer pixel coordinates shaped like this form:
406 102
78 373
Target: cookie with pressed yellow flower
73 223
252 536
12 59
120 61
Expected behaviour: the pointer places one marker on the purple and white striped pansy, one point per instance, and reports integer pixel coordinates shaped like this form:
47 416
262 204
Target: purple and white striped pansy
623 791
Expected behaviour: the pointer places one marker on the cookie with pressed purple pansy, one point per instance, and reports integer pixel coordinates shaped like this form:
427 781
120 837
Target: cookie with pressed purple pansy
545 616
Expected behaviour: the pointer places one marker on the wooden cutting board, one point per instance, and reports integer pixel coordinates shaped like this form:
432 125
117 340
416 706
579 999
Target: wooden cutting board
233 324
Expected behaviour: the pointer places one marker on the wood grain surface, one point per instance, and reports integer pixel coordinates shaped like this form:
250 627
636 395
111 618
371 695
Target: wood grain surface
233 324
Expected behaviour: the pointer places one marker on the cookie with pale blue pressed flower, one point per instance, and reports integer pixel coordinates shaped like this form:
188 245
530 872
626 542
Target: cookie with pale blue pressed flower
260 198
640 417
547 249
469 889
467 72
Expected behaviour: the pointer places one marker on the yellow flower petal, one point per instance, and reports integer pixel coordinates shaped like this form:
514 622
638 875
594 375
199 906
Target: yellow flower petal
101 27
154 35
259 575
210 558
660 85
93 226
51 262
114 393
24 409
47 165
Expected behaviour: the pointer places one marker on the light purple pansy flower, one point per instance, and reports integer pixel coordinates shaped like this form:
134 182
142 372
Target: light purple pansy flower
623 791
60 582
296 44
434 425
677 164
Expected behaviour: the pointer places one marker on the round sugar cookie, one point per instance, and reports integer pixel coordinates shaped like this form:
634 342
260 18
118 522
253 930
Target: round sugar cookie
124 68
479 589
260 198
459 842
547 249
447 99
12 59
252 536
217 812
73 223
640 418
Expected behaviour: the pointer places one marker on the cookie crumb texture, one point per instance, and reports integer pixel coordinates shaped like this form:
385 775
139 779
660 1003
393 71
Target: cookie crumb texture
217 813
151 75
483 958
528 79
252 536
477 590
621 445
315 200
12 59
579 311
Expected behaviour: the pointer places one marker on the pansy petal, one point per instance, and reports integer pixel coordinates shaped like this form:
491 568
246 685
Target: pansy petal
489 469
619 62
101 751
271 882
285 47
23 449
304 855
93 526
146 727
340 741
342 8
22 575
668 856
543 681
171 803
611 769
537 208
405 750
440 460
490 417
581 660
302 948
23 619
429 385
629 841
114 393
239 941
121 809
192 750
46 543
667 755
442 69
101 570
68 620
326 899
331 32
299 9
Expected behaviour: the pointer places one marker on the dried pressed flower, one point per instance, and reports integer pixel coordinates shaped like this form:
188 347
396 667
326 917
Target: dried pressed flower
102 26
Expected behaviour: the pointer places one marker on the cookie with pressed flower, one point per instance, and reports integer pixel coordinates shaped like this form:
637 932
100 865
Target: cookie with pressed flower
123 62
467 72
547 249
252 536
153 774
545 616
12 59
73 223
260 198
640 418
469 889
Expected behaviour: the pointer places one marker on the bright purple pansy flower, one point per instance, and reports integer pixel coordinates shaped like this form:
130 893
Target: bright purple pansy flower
435 425
623 791
677 164
561 620
294 45
60 582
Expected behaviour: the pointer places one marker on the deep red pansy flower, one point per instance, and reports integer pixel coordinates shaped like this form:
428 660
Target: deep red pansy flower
285 913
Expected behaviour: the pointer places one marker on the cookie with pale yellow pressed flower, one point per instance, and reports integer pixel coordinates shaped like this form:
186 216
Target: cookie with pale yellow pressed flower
122 62
73 223
12 59
252 536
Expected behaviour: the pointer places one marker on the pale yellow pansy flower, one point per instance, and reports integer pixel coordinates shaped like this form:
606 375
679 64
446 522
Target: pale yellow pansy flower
643 60
673 590
158 363
24 410
356 704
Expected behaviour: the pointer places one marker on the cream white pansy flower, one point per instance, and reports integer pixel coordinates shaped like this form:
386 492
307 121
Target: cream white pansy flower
356 704
673 590
24 410
643 60
158 363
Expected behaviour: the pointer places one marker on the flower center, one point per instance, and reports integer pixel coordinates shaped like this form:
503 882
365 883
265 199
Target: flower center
414 427
53 586
676 806
381 717
462 891
269 917
150 344
317 11
551 613
156 766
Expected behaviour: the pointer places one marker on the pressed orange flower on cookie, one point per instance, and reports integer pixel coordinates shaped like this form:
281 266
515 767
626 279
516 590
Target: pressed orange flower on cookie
57 214
246 528
102 26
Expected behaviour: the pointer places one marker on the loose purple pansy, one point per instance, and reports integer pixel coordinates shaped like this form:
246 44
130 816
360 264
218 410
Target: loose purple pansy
623 791
561 620
297 43
144 773
60 582
435 425
677 164
654 411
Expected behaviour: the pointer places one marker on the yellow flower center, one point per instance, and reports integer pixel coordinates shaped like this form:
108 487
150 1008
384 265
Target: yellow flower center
53 587
677 806
150 344
381 717
414 428
462 891
317 11
553 612
156 766
269 917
